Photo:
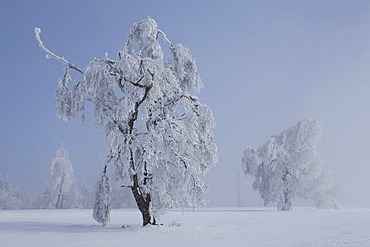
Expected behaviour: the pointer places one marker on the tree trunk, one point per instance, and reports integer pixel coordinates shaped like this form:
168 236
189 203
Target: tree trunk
59 201
60 194
142 203
285 203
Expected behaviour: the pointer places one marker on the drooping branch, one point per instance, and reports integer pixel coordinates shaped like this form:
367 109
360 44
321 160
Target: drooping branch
52 55
165 37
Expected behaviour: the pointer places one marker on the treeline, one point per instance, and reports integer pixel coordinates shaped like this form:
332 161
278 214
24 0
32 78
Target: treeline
79 197
61 191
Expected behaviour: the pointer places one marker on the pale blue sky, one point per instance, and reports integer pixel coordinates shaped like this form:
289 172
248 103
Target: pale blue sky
265 65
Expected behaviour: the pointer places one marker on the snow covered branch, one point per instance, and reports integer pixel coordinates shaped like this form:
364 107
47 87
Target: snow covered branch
165 38
52 55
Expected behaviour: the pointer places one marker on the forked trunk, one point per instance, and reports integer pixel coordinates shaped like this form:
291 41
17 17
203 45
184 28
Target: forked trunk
142 203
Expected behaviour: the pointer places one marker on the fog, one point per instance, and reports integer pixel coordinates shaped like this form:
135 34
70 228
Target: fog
264 67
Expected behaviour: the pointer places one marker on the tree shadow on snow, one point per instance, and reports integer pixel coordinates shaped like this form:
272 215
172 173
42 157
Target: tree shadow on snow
33 227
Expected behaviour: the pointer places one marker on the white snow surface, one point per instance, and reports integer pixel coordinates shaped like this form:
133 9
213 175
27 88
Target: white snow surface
206 227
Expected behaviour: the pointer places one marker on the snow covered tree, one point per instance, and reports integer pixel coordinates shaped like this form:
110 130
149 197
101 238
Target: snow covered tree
9 196
159 134
287 167
86 197
62 186
103 199
45 199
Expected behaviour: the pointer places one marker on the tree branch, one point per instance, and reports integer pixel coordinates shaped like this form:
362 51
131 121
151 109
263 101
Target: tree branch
141 77
137 82
52 55
165 37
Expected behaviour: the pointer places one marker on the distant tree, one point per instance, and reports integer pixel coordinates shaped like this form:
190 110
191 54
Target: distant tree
103 199
63 180
9 196
122 197
158 132
45 199
238 189
287 167
86 197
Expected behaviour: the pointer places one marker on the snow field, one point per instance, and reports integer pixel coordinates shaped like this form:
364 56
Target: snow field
206 227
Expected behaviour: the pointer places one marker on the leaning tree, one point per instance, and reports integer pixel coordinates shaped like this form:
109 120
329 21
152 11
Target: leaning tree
159 135
288 167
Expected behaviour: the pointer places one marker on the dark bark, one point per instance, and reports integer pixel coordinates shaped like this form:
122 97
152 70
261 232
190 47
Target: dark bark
60 196
285 204
58 201
142 203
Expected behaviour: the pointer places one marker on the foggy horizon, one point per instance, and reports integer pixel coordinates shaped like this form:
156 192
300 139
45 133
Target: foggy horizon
264 65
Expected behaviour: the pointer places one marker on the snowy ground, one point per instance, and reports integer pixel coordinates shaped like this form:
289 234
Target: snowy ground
208 227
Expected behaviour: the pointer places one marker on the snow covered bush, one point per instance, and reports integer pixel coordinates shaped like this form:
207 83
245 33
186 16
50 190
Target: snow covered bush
103 199
86 197
9 196
159 135
288 167
45 199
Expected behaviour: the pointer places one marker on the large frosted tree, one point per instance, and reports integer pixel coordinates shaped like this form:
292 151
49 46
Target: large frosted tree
288 167
159 134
